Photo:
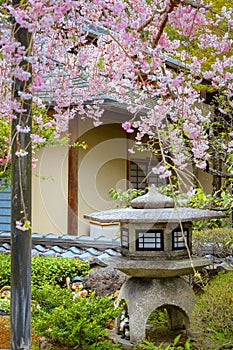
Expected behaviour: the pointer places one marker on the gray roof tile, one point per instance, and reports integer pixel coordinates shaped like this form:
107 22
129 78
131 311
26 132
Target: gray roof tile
82 247
68 254
93 251
49 252
76 250
58 249
6 246
112 252
40 248
86 256
3 250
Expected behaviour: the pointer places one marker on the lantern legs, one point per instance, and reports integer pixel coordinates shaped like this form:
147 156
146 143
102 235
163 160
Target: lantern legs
145 295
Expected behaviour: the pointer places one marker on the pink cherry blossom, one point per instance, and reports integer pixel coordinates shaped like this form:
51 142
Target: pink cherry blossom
133 62
127 127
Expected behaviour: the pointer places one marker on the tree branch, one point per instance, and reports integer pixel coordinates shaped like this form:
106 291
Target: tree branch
164 22
197 6
213 171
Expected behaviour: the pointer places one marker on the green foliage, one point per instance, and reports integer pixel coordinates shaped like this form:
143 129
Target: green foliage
4 153
53 270
41 118
5 273
220 238
221 200
158 318
70 322
5 305
212 321
147 345
123 198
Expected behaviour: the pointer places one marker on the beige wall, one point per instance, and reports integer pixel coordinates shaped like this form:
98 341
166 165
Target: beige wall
101 166
49 191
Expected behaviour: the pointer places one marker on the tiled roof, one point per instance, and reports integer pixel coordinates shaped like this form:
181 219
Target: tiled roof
81 247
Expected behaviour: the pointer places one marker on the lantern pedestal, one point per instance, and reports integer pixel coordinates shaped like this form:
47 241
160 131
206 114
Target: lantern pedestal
145 295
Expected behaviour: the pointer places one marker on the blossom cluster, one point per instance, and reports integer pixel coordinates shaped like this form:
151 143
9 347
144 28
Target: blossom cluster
82 52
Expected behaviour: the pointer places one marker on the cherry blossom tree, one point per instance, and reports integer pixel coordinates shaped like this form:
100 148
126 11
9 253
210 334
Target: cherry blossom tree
126 59
153 56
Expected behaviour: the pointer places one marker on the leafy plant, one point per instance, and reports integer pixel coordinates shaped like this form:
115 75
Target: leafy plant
123 198
217 240
221 200
212 320
72 322
147 345
5 273
5 305
53 270
56 269
158 317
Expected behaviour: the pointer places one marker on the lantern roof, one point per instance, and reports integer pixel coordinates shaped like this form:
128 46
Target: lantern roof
152 200
159 215
155 208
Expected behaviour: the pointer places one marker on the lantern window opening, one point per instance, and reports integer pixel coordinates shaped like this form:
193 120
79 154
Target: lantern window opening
179 239
149 240
124 237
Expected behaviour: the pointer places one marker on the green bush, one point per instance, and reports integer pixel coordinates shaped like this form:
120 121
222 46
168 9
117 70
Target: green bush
212 320
220 238
70 322
53 270
5 271
56 269
123 198
147 345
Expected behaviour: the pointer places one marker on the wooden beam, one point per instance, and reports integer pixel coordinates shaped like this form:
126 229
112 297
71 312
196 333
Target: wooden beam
72 220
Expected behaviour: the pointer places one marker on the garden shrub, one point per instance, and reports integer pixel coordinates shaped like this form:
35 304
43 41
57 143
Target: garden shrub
54 270
5 272
147 345
212 320
220 239
70 322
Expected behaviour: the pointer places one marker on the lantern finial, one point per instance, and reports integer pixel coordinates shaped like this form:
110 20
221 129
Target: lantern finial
152 200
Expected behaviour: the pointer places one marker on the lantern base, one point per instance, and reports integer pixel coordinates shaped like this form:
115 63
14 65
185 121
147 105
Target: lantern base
145 295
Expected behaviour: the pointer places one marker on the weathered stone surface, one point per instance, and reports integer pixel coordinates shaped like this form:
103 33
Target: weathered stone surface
153 199
144 295
153 207
158 215
156 268
105 281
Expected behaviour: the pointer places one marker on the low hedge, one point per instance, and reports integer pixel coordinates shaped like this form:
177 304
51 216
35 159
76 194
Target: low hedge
52 270
212 319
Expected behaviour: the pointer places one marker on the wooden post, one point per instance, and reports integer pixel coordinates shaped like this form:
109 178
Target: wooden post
73 180
21 211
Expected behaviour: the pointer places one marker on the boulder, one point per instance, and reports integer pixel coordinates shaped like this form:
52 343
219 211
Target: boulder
105 281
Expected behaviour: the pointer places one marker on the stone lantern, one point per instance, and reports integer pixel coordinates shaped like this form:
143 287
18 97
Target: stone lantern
156 249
